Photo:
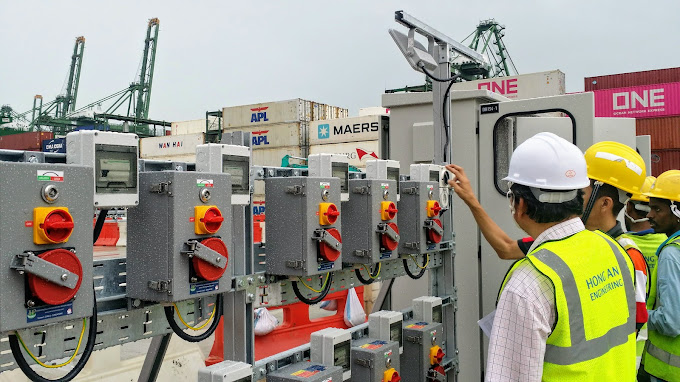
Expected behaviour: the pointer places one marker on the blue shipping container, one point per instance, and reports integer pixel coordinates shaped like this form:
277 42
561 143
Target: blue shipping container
57 145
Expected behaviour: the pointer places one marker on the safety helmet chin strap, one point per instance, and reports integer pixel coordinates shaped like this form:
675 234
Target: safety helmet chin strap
638 206
674 209
591 201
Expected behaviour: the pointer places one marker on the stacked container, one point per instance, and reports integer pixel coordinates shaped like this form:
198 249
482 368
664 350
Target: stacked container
653 98
178 148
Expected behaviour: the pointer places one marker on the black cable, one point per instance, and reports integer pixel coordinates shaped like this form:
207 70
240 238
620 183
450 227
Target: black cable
100 223
318 298
170 316
429 74
446 124
373 275
420 274
85 356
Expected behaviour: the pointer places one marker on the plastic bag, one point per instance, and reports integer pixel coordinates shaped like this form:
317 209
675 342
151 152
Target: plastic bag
354 310
265 322
330 305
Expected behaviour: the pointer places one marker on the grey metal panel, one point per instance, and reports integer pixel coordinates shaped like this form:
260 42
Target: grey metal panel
419 337
412 208
370 362
20 193
160 227
362 218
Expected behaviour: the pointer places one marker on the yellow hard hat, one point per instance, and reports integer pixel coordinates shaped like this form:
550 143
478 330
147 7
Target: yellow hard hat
617 165
667 186
646 186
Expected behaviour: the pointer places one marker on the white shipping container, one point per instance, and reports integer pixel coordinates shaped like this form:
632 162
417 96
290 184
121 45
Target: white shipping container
190 158
168 145
294 110
276 135
524 86
272 157
190 127
346 129
374 110
357 152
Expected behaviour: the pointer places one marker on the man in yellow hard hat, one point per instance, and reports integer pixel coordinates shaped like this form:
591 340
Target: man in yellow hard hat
662 355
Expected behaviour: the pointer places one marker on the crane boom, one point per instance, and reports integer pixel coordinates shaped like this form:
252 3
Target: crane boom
69 99
143 87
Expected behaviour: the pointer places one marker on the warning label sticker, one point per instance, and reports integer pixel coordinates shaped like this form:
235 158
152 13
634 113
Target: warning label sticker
310 371
417 325
47 312
374 345
50 175
324 185
205 183
203 287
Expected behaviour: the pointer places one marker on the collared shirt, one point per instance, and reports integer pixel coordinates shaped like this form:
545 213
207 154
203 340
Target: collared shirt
524 317
666 317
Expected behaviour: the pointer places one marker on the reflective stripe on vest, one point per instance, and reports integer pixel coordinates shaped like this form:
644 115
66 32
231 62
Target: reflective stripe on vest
663 356
582 349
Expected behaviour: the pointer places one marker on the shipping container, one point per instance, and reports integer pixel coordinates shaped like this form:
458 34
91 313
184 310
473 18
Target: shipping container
524 86
623 80
646 101
374 110
277 135
30 141
665 131
347 129
357 152
190 127
189 158
295 110
664 160
272 157
167 145
56 145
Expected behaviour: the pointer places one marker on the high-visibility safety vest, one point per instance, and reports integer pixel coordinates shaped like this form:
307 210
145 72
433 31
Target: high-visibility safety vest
593 338
662 356
649 245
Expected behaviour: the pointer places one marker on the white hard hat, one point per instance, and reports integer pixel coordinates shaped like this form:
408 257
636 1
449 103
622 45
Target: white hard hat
548 162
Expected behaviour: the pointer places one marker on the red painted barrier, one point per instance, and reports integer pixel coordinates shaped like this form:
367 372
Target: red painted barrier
294 331
110 233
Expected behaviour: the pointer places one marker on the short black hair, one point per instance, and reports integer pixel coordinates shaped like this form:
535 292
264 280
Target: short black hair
610 191
547 212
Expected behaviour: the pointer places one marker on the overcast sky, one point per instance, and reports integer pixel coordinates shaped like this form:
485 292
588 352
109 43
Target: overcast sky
213 54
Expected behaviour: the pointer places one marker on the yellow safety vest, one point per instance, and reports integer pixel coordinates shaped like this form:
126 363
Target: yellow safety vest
593 338
648 245
662 354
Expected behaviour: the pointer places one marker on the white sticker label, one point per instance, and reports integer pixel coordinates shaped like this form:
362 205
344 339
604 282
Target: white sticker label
324 185
385 186
204 183
51 175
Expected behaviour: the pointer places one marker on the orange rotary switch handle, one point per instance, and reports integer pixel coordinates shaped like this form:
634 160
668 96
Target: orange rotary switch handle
433 208
49 292
436 355
391 375
388 210
207 219
52 225
328 213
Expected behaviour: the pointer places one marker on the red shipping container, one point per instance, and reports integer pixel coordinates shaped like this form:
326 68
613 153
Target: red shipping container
665 131
649 77
664 160
30 141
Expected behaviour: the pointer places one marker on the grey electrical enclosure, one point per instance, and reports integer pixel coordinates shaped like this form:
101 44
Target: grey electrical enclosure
179 237
303 225
386 325
306 372
420 228
375 360
422 350
46 244
370 224
226 371
331 347
428 309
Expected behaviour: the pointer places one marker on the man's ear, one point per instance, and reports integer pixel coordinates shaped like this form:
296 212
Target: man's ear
607 203
521 207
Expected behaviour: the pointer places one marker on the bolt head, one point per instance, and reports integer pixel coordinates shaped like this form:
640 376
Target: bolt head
64 277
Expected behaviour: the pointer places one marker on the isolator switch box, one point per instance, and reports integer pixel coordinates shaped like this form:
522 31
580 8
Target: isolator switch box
331 347
303 225
428 309
46 244
114 159
386 325
306 372
226 371
420 227
375 360
422 351
231 159
179 237
370 224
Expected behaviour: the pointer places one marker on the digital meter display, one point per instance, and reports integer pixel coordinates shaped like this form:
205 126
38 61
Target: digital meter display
340 170
238 168
341 355
395 333
437 314
393 174
115 169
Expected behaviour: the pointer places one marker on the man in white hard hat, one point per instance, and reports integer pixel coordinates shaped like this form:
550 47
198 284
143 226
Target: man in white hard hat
567 310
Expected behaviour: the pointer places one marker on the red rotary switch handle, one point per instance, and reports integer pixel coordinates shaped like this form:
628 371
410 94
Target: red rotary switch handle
212 220
48 292
332 213
392 210
327 252
387 241
432 234
206 270
58 226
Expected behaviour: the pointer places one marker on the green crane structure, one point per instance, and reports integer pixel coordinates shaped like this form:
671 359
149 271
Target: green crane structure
487 39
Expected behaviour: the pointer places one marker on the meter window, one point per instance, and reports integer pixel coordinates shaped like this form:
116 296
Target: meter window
395 333
393 174
437 314
341 355
238 168
115 169
341 170
244 379
434 176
